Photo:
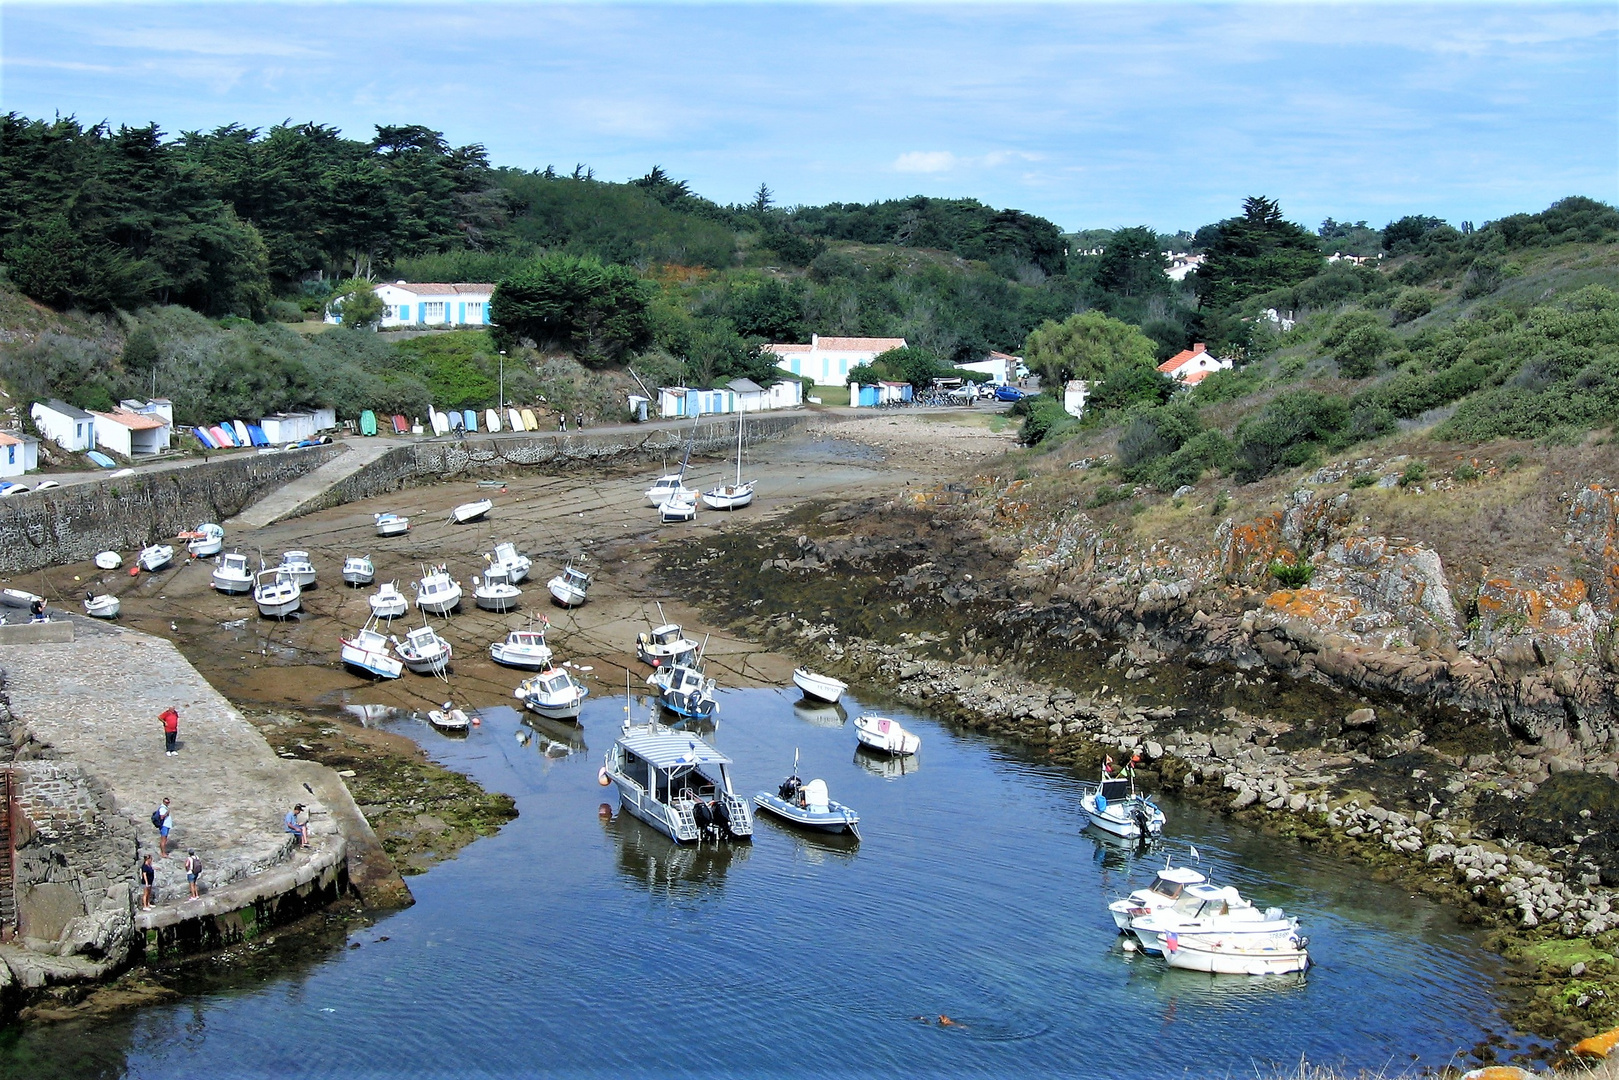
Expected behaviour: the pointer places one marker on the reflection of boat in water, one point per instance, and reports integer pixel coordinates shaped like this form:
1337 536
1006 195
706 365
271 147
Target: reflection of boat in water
820 713
555 738
887 766
651 859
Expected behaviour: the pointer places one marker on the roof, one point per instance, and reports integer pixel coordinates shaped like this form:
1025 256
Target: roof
1005 356
57 405
858 344
9 440
784 350
1184 357
744 386
1184 875
666 748
435 288
1194 377
133 420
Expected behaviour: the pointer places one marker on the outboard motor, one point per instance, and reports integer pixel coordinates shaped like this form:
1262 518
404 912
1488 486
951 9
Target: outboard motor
1142 821
703 814
722 820
789 788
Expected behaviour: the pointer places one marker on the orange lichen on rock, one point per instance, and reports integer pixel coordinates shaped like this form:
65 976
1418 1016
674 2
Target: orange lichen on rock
1315 605
1598 1045
1253 544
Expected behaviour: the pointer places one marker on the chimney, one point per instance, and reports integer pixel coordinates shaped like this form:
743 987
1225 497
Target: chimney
1198 346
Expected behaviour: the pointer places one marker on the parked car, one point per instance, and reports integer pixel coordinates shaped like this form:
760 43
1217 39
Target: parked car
1009 393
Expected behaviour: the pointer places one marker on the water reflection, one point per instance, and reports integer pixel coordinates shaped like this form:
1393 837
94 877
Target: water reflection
887 766
820 713
553 738
667 869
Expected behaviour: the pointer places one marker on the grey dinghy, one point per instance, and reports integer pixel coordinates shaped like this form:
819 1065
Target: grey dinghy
809 806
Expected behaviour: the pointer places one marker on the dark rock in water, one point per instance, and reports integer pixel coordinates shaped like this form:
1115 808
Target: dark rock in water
1567 805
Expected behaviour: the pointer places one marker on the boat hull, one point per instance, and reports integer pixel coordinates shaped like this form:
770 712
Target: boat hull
202 549
836 818
566 596
440 606
102 607
1191 954
528 660
389 609
429 666
499 602
555 711
1119 817
154 559
278 609
723 499
896 740
472 511
381 665
109 560
819 687
393 526
358 577
17 598
228 584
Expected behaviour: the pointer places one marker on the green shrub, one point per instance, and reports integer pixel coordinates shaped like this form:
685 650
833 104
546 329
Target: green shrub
286 311
1512 462
1108 494
1362 480
1465 472
1292 575
1289 431
1043 417
1412 304
1415 473
1221 501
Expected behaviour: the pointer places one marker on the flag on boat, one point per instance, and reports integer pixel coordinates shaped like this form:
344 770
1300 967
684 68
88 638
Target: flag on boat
1195 855
1171 941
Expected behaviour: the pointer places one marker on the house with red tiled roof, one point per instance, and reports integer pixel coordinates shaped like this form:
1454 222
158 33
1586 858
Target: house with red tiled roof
828 360
1192 366
18 453
431 303
126 432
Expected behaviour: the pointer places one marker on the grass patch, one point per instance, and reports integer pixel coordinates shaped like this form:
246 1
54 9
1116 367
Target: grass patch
830 396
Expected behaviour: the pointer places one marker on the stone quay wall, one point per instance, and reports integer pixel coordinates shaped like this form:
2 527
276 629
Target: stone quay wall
71 524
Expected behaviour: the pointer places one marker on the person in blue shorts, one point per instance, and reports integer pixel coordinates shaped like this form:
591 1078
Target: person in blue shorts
298 827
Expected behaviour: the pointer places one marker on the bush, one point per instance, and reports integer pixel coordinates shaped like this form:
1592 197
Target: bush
286 311
1362 480
1415 473
1131 385
1412 304
598 312
1288 432
1107 495
1465 472
1043 417
1292 575
1357 340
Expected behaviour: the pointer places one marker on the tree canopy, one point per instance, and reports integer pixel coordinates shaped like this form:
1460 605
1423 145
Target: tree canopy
1085 346
597 311
1255 253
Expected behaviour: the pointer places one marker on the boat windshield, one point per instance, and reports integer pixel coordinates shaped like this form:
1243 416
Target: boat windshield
527 637
667 636
1171 889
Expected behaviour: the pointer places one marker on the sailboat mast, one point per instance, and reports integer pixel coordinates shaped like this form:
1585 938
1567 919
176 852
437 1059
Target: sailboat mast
739 447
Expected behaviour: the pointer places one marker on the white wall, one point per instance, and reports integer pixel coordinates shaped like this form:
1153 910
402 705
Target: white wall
65 431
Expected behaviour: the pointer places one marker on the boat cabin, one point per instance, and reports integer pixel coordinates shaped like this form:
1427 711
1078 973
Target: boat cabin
665 486
665 635
525 639
1114 791
422 641
234 565
1171 881
575 579
551 682
677 783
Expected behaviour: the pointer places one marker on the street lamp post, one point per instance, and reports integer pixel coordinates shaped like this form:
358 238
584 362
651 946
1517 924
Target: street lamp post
503 378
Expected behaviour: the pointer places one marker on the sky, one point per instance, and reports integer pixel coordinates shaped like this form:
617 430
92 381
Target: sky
1092 115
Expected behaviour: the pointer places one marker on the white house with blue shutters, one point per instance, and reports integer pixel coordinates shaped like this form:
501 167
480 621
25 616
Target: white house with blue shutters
406 304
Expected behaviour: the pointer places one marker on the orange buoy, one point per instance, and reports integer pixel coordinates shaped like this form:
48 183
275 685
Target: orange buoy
135 571
1598 1045
602 779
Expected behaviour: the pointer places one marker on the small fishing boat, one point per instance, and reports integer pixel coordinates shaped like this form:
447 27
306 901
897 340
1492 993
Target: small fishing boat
18 598
664 645
205 540
391 524
570 586
676 783
388 602
232 574
820 687
423 651
368 651
298 565
665 486
681 506
514 420
368 422
808 805
495 592
531 422
155 557
357 570
449 718
1283 953
553 694
109 560
277 593
1164 889
881 733
683 691
522 649
1215 912
438 592
1115 806
104 606
732 496
471 511
514 563
440 422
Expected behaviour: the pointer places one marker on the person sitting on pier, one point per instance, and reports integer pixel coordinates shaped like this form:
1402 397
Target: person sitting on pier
297 826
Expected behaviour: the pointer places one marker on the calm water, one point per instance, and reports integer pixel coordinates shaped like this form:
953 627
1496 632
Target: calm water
572 945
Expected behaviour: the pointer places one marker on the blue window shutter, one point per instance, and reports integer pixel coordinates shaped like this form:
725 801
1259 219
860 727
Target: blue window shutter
463 312
404 313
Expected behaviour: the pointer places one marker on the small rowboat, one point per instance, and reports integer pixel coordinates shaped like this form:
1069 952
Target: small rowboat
109 560
569 587
391 524
17 598
449 718
155 558
367 650
881 733
357 570
522 649
104 606
471 511
205 540
820 687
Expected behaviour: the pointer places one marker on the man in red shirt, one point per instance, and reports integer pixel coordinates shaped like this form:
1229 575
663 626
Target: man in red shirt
171 729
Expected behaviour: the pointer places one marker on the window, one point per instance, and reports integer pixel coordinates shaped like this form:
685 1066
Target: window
11 455
433 311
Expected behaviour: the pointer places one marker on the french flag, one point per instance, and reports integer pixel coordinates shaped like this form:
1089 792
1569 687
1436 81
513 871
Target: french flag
1171 941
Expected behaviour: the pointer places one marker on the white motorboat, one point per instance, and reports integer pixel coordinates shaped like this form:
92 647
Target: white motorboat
1164 889
736 495
522 649
664 645
368 651
881 733
808 805
277 593
553 694
570 586
233 575
471 511
1277 954
298 565
109 560
438 592
1215 912
104 606
449 718
423 651
681 506
676 783
358 570
205 541
820 687
18 598
494 592
388 602
665 486
508 558
391 524
155 557
683 691
1115 806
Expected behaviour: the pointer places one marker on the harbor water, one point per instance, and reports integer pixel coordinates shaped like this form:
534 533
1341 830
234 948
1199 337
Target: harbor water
966 935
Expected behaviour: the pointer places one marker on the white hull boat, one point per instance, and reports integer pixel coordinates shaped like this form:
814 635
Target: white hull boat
677 508
495 593
666 486
449 718
881 733
507 558
522 649
553 694
676 783
424 652
471 511
437 592
820 687
569 587
683 691
358 570
1161 892
368 651
391 524
277 594
17 598
155 558
1115 806
664 645
298 565
1280 954
1212 912
232 575
104 606
109 560
205 541
736 495
388 602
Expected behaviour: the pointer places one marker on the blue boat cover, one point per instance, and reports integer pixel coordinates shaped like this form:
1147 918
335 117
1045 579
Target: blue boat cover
256 433
472 419
101 459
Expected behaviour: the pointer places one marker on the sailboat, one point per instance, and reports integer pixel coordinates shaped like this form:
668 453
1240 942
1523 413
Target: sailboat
732 496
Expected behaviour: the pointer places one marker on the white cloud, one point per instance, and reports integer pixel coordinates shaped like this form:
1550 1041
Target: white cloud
926 161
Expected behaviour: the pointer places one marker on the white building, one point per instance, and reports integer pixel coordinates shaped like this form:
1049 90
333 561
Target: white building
1000 367
781 394
1192 366
1075 393
1181 264
282 428
18 454
129 433
828 360
431 304
881 392
70 428
681 401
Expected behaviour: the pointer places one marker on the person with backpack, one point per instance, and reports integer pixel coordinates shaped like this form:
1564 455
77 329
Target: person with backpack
163 822
193 872
171 730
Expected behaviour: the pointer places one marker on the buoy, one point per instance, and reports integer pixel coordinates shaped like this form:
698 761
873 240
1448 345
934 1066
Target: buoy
1128 945
602 779
135 571
1598 1045
476 722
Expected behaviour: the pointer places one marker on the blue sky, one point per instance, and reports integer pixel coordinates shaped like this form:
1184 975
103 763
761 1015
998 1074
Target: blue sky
1089 114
